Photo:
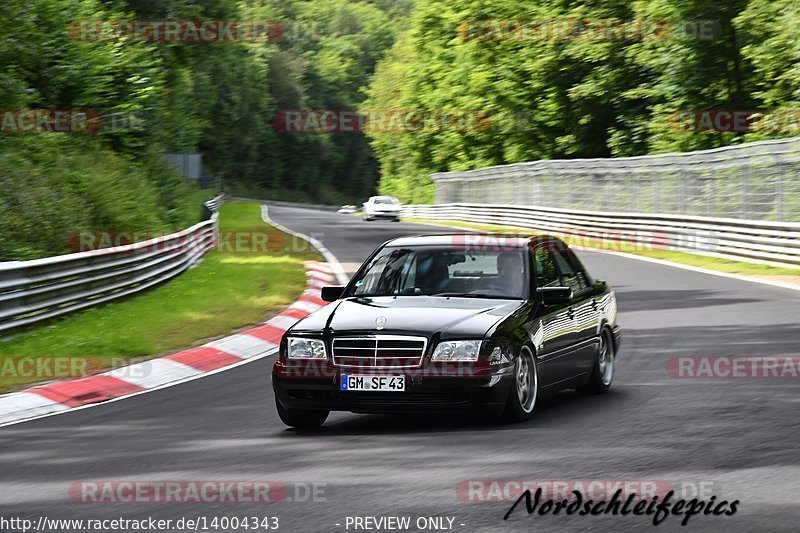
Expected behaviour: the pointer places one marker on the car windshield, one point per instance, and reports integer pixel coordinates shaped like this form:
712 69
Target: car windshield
385 200
444 271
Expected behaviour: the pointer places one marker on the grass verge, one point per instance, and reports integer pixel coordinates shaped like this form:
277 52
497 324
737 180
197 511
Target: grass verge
236 285
788 274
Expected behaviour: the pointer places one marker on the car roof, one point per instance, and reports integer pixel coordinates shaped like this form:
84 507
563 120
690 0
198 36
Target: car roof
477 240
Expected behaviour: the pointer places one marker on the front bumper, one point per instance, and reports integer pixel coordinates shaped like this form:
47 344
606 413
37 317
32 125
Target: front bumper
389 215
424 393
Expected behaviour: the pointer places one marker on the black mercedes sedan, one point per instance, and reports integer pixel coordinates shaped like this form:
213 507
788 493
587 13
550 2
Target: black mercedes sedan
448 323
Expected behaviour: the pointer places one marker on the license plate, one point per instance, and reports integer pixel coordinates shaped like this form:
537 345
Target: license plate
351 382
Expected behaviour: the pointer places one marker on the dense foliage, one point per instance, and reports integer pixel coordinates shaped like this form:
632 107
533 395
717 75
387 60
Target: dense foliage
215 98
537 97
586 95
54 187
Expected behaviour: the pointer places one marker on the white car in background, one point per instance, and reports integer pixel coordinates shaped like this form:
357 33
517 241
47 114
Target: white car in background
386 207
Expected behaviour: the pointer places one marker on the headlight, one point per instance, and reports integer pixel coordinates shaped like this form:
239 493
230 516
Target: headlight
457 351
298 348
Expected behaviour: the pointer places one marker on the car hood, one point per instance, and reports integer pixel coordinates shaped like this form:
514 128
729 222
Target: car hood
418 315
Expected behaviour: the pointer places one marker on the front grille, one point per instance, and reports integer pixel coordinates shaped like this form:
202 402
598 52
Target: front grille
379 351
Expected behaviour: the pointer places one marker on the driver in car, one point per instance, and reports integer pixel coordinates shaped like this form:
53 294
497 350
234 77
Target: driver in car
510 274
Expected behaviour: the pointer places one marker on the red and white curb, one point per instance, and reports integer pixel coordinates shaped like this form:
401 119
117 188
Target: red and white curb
247 345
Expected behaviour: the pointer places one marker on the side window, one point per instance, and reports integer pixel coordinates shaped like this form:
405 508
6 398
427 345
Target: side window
546 271
572 272
580 271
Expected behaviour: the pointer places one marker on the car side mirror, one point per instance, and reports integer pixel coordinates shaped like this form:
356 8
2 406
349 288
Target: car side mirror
332 293
554 295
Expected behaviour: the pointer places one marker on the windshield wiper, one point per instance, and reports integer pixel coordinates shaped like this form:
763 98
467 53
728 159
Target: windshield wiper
474 295
442 294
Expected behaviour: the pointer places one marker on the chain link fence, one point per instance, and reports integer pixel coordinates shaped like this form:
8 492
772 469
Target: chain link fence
754 181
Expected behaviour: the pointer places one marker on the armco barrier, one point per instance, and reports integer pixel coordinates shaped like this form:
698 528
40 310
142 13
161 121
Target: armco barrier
744 240
31 291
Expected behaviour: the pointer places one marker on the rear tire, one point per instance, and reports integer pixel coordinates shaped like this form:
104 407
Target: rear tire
524 392
301 418
603 371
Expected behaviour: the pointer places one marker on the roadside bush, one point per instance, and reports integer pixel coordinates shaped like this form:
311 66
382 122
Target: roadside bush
54 185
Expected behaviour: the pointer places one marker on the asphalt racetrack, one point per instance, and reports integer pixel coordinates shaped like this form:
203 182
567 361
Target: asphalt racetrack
736 439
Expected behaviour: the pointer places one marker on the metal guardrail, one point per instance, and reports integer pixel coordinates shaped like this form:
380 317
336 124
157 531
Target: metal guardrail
216 202
742 240
752 181
32 291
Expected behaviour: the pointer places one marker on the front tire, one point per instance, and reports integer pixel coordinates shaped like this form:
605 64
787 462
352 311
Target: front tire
525 390
301 418
603 371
